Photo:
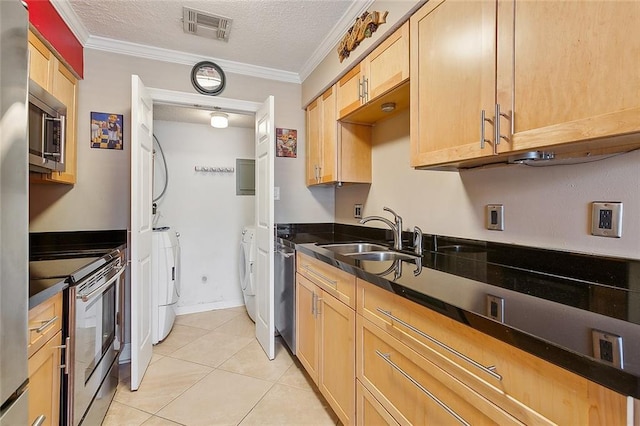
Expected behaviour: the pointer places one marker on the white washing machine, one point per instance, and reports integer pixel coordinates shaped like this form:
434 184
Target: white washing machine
165 278
247 267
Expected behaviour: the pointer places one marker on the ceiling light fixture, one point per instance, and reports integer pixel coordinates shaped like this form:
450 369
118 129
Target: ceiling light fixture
388 106
219 120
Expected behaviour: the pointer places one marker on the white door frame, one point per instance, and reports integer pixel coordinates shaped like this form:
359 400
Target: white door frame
171 97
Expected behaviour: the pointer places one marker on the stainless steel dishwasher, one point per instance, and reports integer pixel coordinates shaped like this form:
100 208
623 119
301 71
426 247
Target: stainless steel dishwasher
285 293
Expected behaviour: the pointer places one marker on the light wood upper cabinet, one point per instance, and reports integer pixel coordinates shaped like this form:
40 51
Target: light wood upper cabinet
558 76
384 69
569 72
453 80
336 152
47 71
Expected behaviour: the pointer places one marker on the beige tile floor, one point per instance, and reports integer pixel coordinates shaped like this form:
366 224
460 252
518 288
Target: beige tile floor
211 371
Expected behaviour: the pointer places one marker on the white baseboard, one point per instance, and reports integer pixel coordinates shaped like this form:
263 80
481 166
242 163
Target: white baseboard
125 354
203 307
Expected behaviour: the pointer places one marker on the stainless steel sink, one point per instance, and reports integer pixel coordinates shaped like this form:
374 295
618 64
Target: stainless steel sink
354 248
367 251
381 256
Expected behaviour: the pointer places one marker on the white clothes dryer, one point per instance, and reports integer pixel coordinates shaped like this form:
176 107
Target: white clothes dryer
247 267
165 276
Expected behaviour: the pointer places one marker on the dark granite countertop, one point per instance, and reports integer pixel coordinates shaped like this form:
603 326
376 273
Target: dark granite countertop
552 299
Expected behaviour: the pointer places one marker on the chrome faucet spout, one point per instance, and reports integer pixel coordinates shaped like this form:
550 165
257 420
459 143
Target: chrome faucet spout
395 227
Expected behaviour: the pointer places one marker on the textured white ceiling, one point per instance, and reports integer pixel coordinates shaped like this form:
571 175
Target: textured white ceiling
279 34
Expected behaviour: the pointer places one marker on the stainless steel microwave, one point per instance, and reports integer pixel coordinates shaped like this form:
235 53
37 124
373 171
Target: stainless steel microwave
47 131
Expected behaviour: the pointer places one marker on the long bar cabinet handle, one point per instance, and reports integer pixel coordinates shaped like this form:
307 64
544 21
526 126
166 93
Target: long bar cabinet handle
44 325
387 358
498 136
40 420
483 120
489 370
331 282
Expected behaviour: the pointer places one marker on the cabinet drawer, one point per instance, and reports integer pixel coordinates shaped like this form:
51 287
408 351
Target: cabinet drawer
370 411
413 389
529 388
45 320
334 281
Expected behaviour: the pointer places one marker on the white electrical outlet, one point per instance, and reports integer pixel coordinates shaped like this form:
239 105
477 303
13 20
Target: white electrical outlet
606 219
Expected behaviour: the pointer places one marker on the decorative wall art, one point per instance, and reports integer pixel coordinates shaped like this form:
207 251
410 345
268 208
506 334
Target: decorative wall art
286 143
106 130
365 26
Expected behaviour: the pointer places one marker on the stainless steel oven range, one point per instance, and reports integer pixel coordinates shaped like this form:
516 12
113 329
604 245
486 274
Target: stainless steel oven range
94 331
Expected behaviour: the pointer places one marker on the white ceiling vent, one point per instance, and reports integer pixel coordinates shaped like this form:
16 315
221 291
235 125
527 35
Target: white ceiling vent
205 24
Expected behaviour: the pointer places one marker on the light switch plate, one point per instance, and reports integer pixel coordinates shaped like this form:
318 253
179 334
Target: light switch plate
357 211
276 193
606 219
495 217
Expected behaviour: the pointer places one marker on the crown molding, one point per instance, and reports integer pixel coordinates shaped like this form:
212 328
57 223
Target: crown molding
69 16
356 9
166 55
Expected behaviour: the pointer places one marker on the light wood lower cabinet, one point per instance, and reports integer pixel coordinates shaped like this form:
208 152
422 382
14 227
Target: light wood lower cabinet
45 356
369 412
529 389
325 333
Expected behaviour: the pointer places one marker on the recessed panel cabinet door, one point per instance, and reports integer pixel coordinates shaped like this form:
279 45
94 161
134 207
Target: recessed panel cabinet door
568 70
452 80
314 149
306 325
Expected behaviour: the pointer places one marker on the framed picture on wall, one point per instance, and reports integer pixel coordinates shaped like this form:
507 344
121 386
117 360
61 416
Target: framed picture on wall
286 143
106 130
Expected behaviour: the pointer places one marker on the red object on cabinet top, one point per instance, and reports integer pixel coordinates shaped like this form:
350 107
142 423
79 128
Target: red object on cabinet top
45 18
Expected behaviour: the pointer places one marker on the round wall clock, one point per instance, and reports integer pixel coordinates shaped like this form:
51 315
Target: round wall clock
208 78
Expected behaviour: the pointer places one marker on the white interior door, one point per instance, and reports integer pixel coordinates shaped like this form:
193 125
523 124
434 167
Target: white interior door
141 228
265 153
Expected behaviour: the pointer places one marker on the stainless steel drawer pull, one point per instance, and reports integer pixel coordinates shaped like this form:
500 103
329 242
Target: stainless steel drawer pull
331 282
40 420
489 370
44 325
387 358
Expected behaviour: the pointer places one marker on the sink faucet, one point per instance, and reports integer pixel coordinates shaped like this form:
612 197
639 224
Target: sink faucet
395 227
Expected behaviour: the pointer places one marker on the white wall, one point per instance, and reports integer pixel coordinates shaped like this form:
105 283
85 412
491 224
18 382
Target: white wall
204 208
100 199
544 207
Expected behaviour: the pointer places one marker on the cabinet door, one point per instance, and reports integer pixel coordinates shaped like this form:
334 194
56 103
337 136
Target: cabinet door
64 88
314 149
574 75
44 382
349 92
40 62
329 143
306 325
452 80
388 65
337 357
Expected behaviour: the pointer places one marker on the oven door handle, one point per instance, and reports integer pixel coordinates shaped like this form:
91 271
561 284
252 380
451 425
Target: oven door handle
86 297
